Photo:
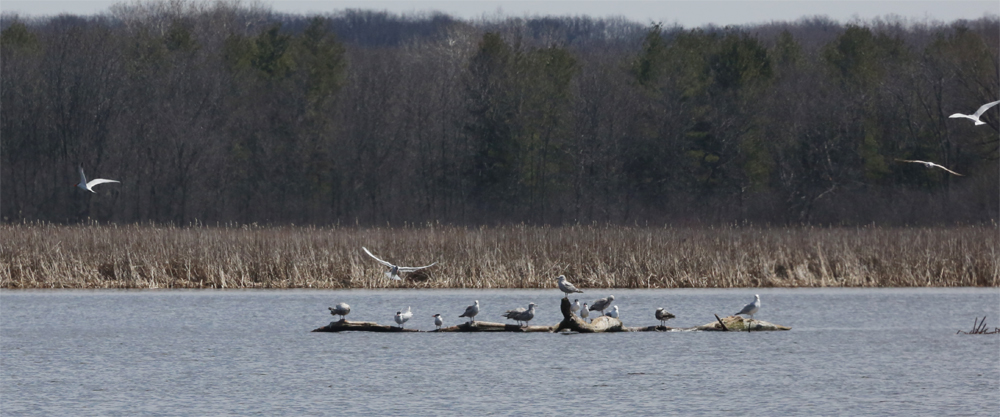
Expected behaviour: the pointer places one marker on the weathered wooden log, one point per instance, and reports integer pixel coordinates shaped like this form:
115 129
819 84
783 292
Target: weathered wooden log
485 326
655 328
360 326
739 324
574 323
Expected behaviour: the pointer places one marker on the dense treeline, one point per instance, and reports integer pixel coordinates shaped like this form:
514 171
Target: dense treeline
225 112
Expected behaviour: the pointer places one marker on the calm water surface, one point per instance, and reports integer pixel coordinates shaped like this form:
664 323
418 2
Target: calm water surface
850 352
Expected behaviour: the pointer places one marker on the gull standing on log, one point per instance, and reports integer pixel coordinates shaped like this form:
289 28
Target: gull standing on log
89 186
930 165
394 270
663 315
575 306
403 317
602 304
751 308
613 313
520 314
471 312
975 117
566 286
438 320
584 312
341 309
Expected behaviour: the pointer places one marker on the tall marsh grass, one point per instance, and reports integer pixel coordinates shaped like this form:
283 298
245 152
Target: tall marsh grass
95 256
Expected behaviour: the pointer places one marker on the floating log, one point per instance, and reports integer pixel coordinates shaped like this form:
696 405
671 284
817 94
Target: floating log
574 323
739 324
485 326
360 326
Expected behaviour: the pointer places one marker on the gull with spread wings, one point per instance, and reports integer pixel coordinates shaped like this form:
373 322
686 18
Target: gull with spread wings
394 270
930 165
975 117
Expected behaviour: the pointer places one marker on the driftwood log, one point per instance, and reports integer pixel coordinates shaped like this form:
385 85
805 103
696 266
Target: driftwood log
360 326
570 322
485 326
574 323
739 324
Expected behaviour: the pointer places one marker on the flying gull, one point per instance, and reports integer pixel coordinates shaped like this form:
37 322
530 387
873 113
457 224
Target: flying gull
751 308
394 270
975 117
663 315
520 314
602 304
340 310
930 165
89 186
471 312
566 286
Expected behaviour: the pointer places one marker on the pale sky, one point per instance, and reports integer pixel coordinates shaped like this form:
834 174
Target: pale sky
686 13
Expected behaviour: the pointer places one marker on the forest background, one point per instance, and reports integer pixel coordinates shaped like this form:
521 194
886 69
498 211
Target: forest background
231 113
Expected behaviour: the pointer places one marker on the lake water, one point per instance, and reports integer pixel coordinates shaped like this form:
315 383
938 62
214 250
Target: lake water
850 352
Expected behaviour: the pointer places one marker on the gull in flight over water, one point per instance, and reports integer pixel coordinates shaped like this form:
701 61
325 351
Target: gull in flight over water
584 312
613 313
89 186
602 304
975 117
340 310
930 165
751 308
566 286
521 314
394 270
471 312
403 317
438 320
663 315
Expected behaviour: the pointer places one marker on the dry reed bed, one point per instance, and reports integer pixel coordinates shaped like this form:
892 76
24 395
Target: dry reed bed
90 256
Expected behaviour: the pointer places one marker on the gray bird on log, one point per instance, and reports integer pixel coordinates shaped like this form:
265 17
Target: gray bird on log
341 309
566 286
402 317
663 315
471 312
521 314
613 313
602 304
751 308
438 320
394 270
584 313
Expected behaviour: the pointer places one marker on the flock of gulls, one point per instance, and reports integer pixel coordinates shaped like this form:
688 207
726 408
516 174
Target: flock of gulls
523 315
394 270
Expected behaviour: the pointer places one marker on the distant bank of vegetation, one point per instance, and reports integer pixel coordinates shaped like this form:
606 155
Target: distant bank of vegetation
227 111
91 256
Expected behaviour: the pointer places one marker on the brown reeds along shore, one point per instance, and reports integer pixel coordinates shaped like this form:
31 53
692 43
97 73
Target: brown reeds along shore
109 256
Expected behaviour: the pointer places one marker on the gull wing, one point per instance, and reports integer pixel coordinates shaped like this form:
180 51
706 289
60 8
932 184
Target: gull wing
83 178
377 259
97 181
414 268
950 171
985 107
